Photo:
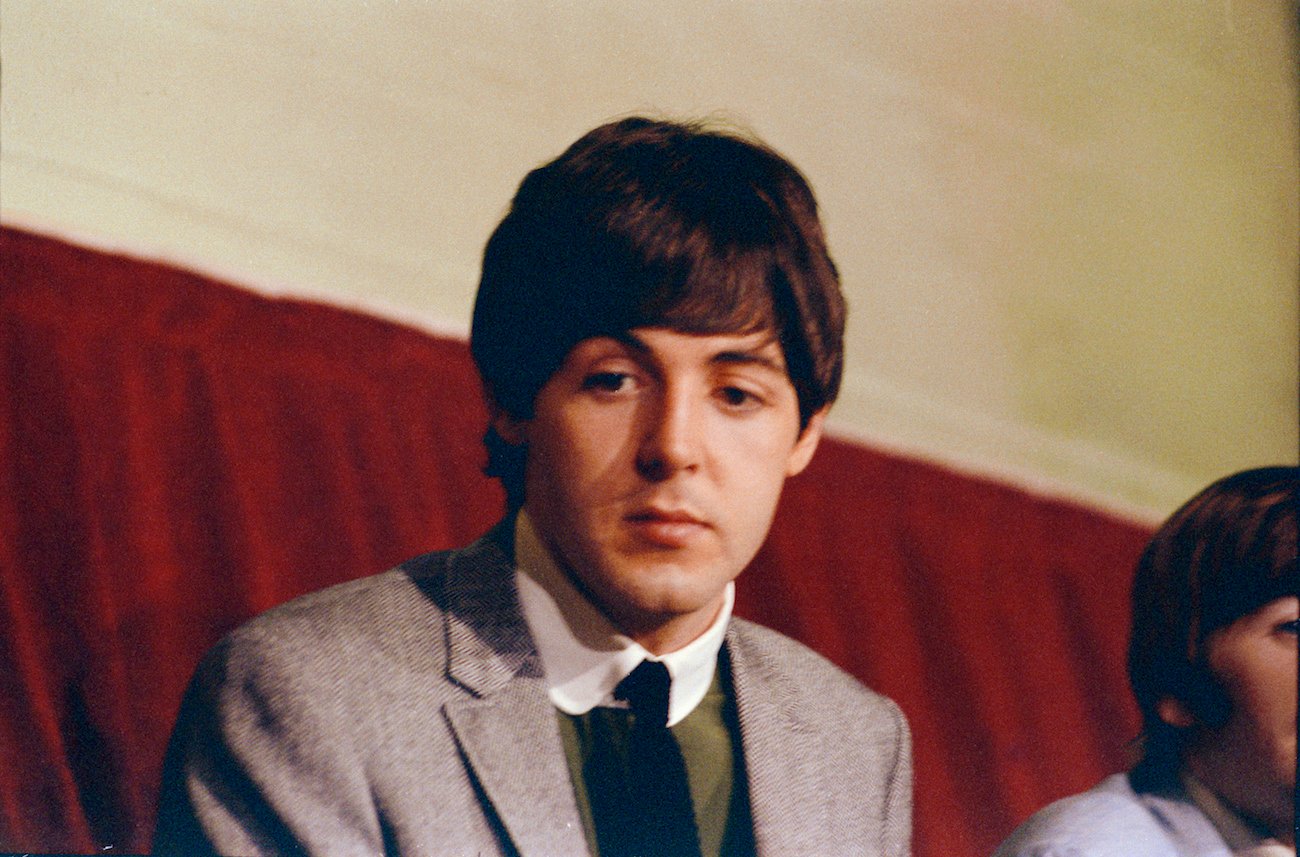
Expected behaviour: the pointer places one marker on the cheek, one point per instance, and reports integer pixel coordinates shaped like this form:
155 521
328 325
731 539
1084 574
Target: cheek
1263 696
766 469
575 457
1277 693
756 476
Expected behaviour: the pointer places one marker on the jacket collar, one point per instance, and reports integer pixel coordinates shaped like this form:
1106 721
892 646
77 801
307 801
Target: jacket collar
784 756
488 644
506 726
509 733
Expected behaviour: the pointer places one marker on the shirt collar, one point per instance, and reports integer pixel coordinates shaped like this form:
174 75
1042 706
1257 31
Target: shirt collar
584 656
1237 834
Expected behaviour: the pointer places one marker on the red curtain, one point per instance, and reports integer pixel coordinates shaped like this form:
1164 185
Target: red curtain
178 454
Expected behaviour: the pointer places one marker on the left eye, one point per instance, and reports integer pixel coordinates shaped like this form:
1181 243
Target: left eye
1289 627
736 397
609 382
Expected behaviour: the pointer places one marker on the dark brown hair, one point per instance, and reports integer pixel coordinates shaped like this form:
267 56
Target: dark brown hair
1225 553
647 223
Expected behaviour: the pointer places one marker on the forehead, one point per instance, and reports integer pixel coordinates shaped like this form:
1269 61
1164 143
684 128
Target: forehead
666 345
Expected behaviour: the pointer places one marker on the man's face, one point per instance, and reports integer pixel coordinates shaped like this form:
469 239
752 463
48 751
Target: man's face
655 461
1250 761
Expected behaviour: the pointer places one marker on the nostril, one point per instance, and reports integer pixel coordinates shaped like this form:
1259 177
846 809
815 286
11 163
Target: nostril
652 467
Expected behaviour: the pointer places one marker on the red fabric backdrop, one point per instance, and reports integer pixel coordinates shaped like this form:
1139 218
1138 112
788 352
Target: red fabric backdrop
177 454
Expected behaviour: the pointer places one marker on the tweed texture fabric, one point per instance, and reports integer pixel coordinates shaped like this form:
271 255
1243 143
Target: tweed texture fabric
406 713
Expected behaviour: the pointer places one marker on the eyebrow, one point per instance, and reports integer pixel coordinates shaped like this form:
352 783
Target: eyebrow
744 357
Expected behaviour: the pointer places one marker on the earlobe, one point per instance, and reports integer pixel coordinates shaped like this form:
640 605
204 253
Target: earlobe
806 444
512 430
1175 713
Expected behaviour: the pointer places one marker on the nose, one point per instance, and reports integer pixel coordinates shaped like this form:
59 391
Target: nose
671 439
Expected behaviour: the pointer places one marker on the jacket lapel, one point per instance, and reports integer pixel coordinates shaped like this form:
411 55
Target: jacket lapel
507 726
784 759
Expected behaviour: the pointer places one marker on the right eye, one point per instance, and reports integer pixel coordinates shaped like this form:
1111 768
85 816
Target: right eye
607 382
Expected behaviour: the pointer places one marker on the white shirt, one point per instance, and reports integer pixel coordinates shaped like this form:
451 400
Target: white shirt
583 655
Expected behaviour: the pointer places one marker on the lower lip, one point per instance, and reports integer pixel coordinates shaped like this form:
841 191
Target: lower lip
669 534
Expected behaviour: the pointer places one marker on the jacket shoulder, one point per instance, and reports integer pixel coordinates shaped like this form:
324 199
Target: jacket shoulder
395 620
815 686
791 657
365 606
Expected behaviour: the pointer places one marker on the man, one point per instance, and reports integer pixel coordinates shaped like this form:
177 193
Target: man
1212 663
659 333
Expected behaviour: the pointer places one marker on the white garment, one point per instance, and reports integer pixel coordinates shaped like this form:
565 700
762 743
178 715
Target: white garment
584 655
1112 820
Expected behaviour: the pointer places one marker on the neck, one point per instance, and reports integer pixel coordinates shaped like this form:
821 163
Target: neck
665 635
1269 812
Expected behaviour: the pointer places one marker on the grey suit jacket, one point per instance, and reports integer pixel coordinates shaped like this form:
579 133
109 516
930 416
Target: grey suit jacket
407 713
1113 820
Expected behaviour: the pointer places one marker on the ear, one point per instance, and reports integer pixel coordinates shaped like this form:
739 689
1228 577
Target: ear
1175 713
511 429
806 444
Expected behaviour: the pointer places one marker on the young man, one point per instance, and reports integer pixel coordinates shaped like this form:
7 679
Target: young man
659 332
1212 663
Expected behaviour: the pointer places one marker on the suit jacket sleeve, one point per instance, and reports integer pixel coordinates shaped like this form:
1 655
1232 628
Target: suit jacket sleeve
257 763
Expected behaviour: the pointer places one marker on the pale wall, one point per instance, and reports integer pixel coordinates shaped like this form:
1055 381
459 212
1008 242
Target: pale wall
1068 230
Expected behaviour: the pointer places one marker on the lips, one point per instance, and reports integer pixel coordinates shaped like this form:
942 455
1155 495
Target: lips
668 528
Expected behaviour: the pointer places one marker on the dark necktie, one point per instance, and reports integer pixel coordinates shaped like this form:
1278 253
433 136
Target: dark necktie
640 797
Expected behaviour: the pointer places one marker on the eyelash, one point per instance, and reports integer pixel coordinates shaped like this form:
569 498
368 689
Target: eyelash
606 382
733 397
746 398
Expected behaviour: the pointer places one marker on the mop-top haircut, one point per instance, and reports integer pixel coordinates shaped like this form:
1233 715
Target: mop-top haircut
647 223
1225 553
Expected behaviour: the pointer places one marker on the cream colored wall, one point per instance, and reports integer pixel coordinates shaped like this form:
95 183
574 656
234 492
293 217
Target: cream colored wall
1068 229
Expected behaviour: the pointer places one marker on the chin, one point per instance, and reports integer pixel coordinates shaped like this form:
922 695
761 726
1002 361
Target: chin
670 599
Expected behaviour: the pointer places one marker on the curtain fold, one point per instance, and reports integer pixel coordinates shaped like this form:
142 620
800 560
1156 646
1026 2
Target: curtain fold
177 454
